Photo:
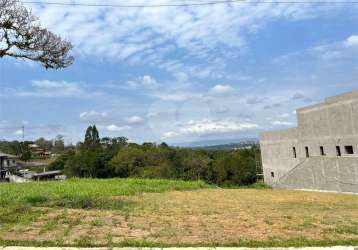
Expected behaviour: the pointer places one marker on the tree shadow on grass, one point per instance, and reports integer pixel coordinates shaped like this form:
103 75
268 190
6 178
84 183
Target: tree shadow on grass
78 202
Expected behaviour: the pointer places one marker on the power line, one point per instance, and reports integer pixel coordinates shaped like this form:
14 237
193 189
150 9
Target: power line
185 4
134 5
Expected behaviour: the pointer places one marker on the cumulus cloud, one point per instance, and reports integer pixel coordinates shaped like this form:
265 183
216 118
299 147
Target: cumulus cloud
186 93
208 127
115 128
135 120
93 116
146 82
351 41
221 90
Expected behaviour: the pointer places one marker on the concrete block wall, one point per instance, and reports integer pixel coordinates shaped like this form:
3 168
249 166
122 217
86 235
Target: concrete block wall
328 125
317 173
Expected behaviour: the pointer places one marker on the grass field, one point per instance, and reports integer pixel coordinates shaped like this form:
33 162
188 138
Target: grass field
171 213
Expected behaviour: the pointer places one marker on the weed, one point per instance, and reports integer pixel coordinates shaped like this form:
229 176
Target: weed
96 223
49 226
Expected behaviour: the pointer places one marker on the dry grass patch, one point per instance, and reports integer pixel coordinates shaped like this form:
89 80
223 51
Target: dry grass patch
202 217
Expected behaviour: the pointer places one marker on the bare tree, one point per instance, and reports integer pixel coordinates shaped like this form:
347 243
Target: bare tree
21 36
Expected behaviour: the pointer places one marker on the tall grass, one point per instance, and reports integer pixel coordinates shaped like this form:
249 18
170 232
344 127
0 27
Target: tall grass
18 201
85 193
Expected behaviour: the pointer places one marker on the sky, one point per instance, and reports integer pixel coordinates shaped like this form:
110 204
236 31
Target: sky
181 74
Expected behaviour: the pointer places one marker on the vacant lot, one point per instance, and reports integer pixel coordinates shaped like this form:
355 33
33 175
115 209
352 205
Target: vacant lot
163 213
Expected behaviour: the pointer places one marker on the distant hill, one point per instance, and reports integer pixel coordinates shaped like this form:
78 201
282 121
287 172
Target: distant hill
221 144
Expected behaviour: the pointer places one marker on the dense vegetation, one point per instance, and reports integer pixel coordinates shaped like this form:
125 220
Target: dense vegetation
115 157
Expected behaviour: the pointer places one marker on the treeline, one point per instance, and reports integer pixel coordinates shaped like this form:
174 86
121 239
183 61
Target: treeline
115 157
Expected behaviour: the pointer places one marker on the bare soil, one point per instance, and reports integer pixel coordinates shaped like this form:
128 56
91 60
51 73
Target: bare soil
203 216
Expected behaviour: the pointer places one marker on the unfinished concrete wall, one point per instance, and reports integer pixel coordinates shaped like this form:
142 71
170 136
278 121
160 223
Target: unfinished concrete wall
317 173
279 144
322 128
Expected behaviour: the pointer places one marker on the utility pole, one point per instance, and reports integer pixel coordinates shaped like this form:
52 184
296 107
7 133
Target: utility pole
23 133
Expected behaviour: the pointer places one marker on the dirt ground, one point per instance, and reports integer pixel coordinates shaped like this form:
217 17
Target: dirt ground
204 216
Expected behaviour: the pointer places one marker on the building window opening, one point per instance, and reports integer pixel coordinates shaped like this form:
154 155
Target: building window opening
307 152
272 174
321 148
349 150
294 152
338 150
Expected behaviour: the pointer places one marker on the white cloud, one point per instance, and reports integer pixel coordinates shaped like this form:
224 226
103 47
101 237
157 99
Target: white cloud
222 110
135 120
284 115
334 52
93 116
255 100
148 35
115 128
176 97
11 130
281 123
351 41
49 84
18 132
298 96
208 126
221 90
48 88
146 82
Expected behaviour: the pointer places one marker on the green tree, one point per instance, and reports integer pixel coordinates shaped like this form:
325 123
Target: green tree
84 164
60 162
59 144
128 161
92 139
43 143
11 147
25 151
236 168
196 164
115 157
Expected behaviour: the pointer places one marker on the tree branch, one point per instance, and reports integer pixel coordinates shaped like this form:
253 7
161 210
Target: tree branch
22 37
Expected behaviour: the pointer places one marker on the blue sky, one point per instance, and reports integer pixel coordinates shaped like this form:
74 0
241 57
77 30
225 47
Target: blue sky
182 74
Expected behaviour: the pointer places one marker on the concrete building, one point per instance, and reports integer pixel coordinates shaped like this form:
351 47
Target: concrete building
321 153
38 152
7 162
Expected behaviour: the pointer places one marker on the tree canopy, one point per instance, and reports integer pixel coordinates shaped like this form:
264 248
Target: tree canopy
115 157
92 139
21 36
